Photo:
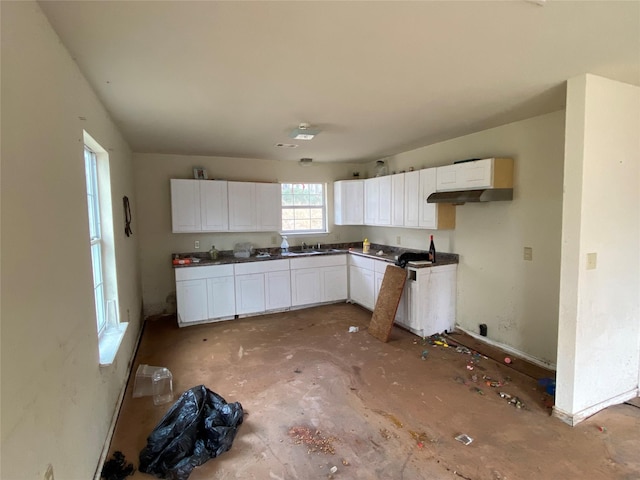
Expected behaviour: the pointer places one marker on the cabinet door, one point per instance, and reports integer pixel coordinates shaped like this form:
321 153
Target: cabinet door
411 199
185 206
397 200
277 290
242 206
371 193
348 197
377 283
428 211
268 207
384 201
334 283
478 174
361 285
436 302
250 294
305 286
221 297
191 296
214 207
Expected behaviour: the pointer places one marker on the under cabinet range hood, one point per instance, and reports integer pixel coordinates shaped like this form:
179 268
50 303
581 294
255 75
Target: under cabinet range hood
460 197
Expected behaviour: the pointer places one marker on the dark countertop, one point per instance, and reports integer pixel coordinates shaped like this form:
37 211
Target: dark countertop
389 254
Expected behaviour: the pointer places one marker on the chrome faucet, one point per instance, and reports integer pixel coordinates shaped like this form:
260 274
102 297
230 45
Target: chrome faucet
304 246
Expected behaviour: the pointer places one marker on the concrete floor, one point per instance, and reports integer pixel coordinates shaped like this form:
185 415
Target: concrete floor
385 412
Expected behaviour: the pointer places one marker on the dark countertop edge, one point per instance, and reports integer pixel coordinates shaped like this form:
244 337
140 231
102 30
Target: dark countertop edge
226 257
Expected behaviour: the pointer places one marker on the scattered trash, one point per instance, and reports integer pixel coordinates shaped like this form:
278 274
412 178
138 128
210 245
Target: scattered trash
477 390
333 469
313 439
424 354
507 360
464 438
464 350
201 425
513 400
549 385
354 329
420 444
297 370
474 378
116 468
345 462
460 380
469 366
602 429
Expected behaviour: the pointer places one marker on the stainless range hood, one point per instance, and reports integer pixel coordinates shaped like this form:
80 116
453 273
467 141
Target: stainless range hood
463 196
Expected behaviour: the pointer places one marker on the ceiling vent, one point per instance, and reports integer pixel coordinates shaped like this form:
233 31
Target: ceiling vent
286 145
304 132
305 162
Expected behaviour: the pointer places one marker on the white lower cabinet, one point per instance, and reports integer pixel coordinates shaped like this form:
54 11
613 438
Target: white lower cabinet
191 296
277 293
204 293
250 294
431 299
221 301
318 279
362 281
262 286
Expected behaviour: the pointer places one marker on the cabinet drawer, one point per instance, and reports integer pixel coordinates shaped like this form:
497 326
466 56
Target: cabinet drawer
261 267
198 273
319 261
362 262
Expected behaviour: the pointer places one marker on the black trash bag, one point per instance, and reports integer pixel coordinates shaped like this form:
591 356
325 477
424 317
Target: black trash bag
411 257
199 426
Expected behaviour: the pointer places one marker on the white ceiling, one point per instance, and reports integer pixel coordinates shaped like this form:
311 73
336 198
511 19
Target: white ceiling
378 78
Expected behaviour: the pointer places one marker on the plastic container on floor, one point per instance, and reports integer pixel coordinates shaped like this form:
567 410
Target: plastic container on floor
162 381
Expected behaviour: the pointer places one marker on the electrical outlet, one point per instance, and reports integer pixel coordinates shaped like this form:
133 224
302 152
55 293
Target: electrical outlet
196 244
399 240
528 254
592 261
48 475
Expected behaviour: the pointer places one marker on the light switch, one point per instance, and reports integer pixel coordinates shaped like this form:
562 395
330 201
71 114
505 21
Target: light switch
592 261
528 254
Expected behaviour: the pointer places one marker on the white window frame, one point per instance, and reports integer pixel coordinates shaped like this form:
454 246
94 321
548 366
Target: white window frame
290 207
110 330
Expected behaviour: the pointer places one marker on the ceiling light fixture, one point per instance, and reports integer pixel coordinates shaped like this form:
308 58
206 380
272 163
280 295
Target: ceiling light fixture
304 132
286 145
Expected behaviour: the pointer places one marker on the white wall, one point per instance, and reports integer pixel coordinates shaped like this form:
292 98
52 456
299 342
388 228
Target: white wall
57 403
517 299
599 332
152 174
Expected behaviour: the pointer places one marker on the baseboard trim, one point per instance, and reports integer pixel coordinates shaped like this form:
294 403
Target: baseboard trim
575 418
118 406
507 348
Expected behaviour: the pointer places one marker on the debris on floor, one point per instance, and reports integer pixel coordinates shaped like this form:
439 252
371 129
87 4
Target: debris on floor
464 439
515 401
117 468
354 329
312 439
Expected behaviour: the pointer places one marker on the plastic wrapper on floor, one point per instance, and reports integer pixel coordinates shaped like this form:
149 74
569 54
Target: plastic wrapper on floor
201 425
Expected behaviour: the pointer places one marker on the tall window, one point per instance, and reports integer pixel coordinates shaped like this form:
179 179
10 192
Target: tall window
95 235
303 208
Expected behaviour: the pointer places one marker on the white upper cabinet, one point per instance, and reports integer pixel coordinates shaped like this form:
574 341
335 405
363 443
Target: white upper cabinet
397 200
428 216
477 174
254 207
377 204
185 206
269 207
242 207
199 205
412 199
214 209
348 202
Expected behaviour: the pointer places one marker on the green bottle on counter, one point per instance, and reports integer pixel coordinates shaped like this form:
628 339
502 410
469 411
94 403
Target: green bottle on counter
213 253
